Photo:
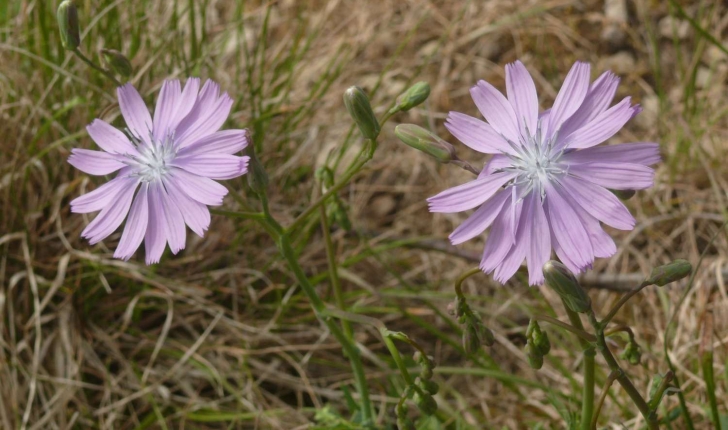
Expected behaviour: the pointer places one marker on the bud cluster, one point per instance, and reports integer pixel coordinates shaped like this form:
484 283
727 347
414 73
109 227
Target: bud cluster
475 333
537 345
632 352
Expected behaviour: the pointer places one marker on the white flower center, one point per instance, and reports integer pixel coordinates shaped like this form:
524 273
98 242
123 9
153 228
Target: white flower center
154 161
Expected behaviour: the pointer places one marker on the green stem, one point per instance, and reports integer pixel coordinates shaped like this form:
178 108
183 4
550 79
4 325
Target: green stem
386 335
622 301
462 278
96 67
350 349
581 333
334 271
607 384
589 351
622 378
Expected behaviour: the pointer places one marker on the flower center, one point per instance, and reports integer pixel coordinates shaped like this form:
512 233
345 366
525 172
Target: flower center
154 161
534 162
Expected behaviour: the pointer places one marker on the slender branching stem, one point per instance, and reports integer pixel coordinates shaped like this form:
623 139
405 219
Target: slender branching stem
334 271
622 301
598 409
96 67
462 278
387 336
579 332
589 351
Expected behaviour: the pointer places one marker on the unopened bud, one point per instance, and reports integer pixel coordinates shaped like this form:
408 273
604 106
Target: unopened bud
404 423
534 356
357 103
67 16
672 272
415 95
257 177
561 280
485 334
117 62
632 353
471 340
451 308
624 194
431 387
422 140
541 341
425 403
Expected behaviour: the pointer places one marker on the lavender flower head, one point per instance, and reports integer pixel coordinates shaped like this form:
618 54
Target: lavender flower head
172 160
546 187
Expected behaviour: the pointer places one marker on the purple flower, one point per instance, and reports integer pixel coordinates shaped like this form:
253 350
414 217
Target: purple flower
171 159
546 186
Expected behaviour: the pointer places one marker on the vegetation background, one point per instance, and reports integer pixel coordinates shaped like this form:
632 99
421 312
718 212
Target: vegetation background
220 336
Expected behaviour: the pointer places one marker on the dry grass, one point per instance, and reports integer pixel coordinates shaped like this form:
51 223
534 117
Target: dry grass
220 336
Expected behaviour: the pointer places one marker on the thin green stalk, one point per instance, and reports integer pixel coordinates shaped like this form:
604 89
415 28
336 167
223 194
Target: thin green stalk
607 384
589 351
622 301
334 271
622 378
350 349
396 356
706 362
568 327
96 67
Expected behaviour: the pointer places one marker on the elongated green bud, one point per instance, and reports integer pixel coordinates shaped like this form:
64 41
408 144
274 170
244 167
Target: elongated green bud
425 403
415 95
422 140
431 387
257 176
561 280
67 16
471 340
485 334
672 272
357 103
117 62
534 356
404 423
632 353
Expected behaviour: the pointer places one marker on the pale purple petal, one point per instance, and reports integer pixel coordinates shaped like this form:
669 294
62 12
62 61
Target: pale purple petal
95 162
208 115
496 109
597 100
195 214
570 97
602 243
599 203
165 113
110 217
110 139
188 99
522 95
476 134
174 223
102 196
616 176
135 112
539 240
469 195
502 237
155 238
480 219
601 128
567 227
494 164
512 261
213 166
199 188
646 153
136 225
220 142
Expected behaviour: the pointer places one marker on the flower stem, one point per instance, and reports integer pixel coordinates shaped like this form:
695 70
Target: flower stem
622 301
334 271
622 378
568 327
607 384
96 67
386 336
350 349
589 351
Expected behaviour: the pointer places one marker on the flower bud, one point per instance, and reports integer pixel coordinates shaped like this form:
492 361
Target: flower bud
357 103
632 353
415 95
471 340
404 423
67 16
541 341
535 358
431 387
624 194
561 280
422 140
671 272
257 177
485 334
117 62
425 403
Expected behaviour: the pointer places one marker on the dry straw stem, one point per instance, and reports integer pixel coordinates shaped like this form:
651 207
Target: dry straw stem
220 336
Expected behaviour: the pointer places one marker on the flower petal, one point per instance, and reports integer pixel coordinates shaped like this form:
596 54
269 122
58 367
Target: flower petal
220 142
512 261
155 238
602 243
206 117
477 134
195 214
468 195
110 139
496 109
538 236
102 196
135 112
597 100
213 166
94 162
110 217
570 97
166 110
646 153
501 238
494 164
522 95
136 225
601 128
174 223
480 219
616 176
598 202
199 188
568 228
